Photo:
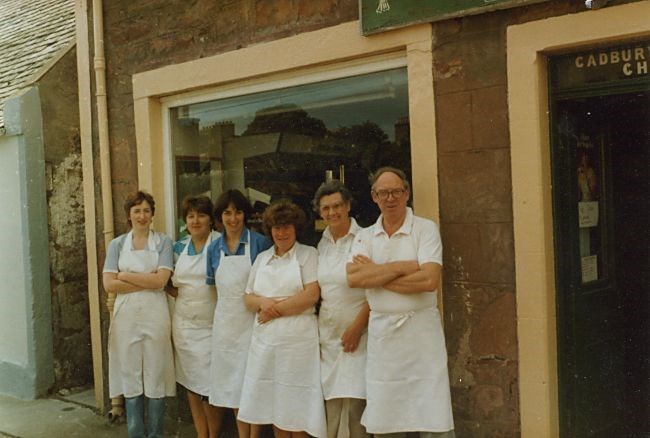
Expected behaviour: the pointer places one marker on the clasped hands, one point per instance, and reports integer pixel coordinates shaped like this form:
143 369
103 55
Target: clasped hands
268 309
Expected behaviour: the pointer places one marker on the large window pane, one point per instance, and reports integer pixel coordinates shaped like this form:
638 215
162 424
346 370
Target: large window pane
284 143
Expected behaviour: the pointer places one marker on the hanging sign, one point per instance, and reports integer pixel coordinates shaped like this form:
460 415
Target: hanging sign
382 15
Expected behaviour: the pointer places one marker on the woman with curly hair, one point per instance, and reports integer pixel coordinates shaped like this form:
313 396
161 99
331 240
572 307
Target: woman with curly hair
282 381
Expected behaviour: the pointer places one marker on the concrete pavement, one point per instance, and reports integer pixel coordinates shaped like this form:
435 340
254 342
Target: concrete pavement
71 416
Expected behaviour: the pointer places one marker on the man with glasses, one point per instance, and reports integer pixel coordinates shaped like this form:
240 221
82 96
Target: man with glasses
398 261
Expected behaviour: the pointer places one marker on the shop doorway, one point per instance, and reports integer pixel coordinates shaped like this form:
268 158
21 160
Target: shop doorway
600 130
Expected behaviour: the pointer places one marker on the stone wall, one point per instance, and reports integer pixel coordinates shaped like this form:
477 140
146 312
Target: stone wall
476 216
67 249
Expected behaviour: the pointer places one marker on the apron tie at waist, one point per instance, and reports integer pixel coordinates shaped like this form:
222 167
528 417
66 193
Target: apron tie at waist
403 317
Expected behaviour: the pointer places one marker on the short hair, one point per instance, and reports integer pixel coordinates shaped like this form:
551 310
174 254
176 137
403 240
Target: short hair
283 213
330 188
379 172
136 199
201 203
236 198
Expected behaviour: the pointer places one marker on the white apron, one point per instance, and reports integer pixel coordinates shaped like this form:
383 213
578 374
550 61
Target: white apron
343 375
139 342
407 381
192 320
232 328
282 382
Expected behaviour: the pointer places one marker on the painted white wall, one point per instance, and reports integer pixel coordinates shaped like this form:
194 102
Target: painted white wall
26 364
13 311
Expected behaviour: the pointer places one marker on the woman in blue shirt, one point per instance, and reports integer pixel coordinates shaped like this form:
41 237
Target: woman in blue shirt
229 260
194 312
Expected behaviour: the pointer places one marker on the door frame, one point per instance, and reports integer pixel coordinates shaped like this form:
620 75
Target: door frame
527 47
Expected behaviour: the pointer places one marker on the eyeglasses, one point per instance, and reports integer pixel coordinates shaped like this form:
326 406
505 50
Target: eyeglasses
333 207
384 194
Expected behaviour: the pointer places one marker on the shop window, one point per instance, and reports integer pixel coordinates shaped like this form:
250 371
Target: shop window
285 142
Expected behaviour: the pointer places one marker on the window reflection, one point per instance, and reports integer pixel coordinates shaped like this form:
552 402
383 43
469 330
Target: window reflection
284 143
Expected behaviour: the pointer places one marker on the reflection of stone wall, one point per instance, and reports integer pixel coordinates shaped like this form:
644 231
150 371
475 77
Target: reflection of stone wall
70 316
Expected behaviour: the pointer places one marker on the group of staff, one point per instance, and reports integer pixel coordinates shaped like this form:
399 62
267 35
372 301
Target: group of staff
372 361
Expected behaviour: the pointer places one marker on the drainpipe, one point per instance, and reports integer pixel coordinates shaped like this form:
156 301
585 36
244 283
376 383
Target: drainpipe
85 135
117 403
102 121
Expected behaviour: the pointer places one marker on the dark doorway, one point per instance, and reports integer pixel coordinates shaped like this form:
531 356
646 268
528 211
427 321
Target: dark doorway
601 198
631 187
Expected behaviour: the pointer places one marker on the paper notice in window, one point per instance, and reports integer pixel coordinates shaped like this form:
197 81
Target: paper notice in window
589 268
588 214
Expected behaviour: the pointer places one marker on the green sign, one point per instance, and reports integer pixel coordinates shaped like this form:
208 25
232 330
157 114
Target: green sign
601 65
381 15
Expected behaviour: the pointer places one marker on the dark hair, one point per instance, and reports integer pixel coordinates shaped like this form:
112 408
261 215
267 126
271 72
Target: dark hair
283 213
136 199
236 198
379 172
330 188
201 203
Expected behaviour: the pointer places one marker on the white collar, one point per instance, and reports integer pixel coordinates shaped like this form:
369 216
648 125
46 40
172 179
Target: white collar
152 241
354 230
406 228
289 254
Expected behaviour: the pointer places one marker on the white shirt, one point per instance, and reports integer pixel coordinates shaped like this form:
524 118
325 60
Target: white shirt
307 259
327 241
417 239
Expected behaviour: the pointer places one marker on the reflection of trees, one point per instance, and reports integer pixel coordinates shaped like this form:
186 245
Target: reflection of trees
286 118
365 139
306 148
366 134
366 142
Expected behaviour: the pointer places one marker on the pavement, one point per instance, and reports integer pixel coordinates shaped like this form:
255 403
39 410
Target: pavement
71 416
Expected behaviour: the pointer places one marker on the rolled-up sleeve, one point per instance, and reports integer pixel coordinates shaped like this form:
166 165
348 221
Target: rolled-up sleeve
166 254
309 265
429 243
112 256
